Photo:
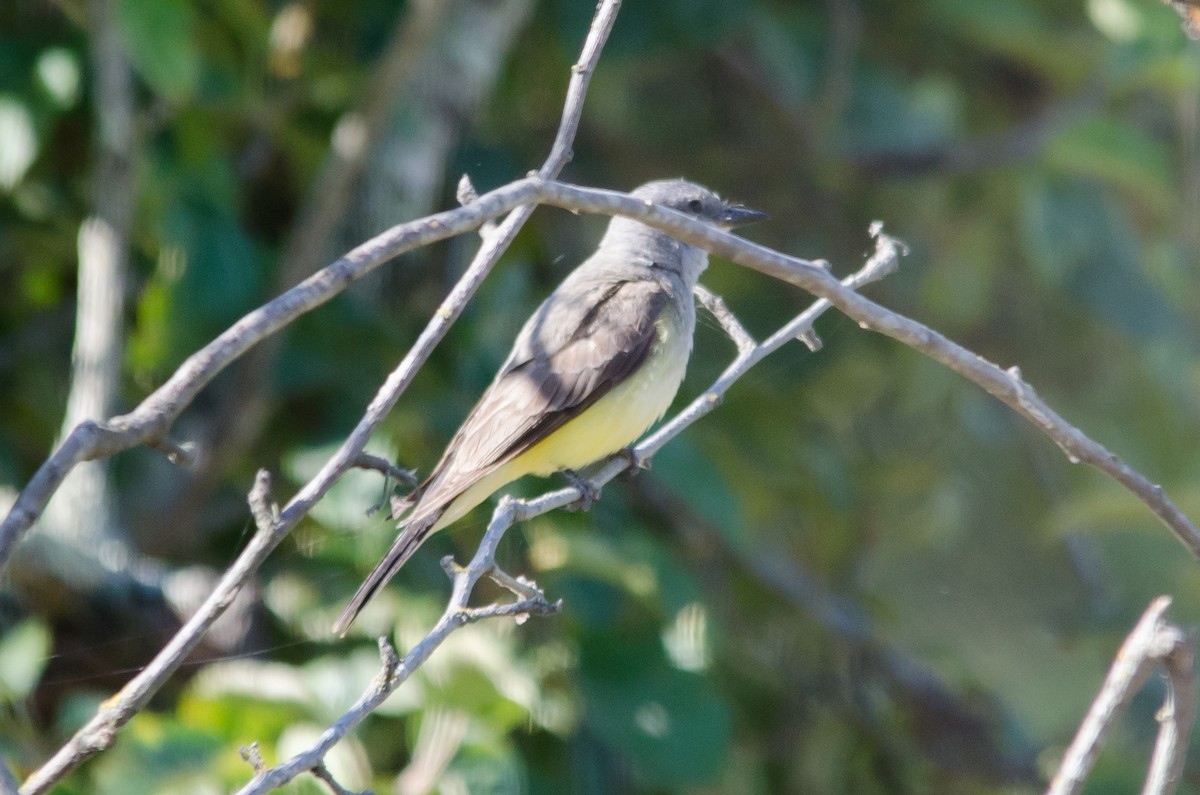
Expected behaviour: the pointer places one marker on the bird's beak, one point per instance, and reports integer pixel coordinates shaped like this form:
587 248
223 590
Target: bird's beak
738 215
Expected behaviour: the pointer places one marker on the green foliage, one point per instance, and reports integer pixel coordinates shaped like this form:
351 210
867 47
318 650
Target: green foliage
859 574
23 652
162 45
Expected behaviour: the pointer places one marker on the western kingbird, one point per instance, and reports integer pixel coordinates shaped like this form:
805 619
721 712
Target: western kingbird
597 364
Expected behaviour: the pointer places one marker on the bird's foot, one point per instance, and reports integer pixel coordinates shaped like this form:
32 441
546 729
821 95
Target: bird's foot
634 463
588 493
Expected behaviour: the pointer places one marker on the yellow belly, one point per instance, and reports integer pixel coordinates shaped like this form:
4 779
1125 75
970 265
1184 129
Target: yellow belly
615 420
608 425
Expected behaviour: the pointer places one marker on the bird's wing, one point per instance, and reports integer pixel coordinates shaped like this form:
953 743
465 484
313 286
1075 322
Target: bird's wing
555 373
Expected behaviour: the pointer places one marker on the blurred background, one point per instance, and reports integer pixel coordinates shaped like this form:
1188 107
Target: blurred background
861 574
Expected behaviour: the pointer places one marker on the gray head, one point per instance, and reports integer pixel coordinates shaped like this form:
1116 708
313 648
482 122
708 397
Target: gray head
688 197
629 240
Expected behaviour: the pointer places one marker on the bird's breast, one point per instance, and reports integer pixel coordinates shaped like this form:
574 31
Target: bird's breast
621 416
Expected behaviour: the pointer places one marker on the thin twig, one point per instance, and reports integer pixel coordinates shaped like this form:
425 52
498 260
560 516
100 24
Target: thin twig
386 468
154 416
519 585
252 755
511 511
1152 642
1178 712
265 512
881 263
464 582
733 327
1006 385
321 773
150 421
395 672
100 732
156 413
91 439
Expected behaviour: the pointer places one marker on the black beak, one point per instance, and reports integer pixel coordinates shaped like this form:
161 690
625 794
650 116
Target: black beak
737 215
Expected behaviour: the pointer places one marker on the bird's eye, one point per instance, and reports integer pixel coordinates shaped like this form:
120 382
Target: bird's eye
695 205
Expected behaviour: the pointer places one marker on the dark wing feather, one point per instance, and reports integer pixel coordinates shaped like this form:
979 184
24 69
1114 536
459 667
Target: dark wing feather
558 376
554 374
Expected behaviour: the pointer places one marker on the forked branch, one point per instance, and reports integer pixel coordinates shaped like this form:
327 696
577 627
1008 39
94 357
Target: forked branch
1153 643
531 600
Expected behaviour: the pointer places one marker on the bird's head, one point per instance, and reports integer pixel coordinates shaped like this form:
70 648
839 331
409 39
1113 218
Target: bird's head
699 201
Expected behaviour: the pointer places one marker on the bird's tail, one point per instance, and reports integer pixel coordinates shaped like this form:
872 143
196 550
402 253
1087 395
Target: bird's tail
411 537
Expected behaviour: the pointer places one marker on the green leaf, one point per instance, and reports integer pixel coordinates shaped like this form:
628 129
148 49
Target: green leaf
670 723
23 654
888 115
1121 155
159 35
1085 242
1022 32
689 473
20 141
158 755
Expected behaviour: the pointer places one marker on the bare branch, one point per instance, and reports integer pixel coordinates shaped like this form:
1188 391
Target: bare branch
733 327
464 192
519 585
181 454
326 201
1178 713
100 732
796 271
322 773
265 512
386 468
394 673
1005 385
154 416
494 245
252 754
510 511
151 418
150 421
1152 642
881 263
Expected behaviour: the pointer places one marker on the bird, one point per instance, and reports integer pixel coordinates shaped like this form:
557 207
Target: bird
595 366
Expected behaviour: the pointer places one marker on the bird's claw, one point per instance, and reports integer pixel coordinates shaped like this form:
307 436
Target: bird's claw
588 493
634 463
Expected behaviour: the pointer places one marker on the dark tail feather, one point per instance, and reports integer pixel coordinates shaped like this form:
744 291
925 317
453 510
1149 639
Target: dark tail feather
402 549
